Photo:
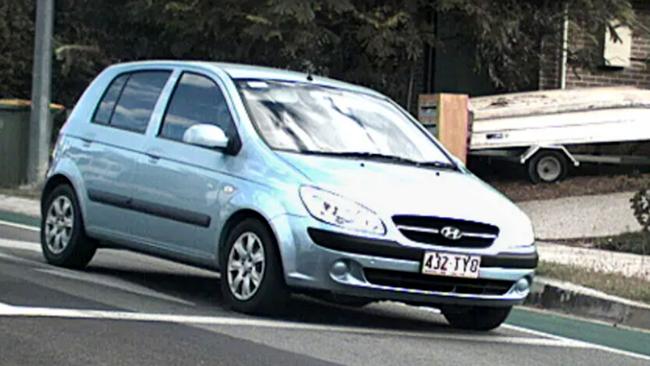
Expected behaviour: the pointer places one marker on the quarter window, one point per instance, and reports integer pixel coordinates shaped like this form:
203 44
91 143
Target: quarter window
106 106
196 100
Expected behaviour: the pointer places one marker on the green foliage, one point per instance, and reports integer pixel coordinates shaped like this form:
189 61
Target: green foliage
16 39
640 204
378 43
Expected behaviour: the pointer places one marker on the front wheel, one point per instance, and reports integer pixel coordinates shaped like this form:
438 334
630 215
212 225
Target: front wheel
252 280
482 318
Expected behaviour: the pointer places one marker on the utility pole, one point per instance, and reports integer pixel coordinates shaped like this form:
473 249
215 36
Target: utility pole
39 139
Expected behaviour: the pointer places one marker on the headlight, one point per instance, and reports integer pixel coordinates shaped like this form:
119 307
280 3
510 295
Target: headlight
336 210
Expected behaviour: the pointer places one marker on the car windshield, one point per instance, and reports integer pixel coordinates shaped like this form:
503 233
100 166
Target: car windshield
315 119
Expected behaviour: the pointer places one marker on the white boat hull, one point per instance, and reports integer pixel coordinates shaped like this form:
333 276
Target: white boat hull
567 128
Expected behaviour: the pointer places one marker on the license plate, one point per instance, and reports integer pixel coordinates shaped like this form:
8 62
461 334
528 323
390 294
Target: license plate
452 265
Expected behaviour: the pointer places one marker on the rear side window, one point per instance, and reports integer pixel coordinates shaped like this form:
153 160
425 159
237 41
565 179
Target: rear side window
130 100
197 99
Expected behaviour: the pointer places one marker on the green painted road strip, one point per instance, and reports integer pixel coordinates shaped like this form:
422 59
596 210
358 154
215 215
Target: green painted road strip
19 219
582 330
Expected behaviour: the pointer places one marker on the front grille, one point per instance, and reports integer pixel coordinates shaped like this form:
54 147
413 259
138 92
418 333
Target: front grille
427 229
417 281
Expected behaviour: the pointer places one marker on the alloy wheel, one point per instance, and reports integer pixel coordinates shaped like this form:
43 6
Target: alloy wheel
58 224
245 267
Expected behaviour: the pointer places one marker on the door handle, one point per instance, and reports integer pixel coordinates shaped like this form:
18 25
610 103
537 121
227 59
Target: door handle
153 157
86 141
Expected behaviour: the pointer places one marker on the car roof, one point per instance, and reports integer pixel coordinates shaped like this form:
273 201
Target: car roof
243 71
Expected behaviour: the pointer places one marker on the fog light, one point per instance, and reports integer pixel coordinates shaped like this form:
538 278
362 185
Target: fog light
522 285
339 268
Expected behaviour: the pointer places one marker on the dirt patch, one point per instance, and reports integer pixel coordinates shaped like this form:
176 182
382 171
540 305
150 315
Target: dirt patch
588 180
519 190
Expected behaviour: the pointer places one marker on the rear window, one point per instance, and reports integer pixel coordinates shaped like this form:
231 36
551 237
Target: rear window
130 99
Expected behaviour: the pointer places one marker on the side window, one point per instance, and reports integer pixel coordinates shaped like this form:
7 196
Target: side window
137 100
107 105
197 99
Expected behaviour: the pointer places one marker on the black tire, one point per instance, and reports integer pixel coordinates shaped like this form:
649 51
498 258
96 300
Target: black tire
80 248
540 163
481 318
271 296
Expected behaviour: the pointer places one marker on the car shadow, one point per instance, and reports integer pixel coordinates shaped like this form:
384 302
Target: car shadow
204 291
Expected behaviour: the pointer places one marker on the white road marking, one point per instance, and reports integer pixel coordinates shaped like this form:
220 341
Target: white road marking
19 244
20 226
113 283
21 311
8 310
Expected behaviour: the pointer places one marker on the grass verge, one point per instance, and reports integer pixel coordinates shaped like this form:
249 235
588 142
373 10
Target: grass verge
610 283
633 242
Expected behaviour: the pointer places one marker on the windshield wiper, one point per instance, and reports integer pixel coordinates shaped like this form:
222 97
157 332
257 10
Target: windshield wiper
393 158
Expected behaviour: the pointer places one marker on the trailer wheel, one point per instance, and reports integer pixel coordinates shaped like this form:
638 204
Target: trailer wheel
547 166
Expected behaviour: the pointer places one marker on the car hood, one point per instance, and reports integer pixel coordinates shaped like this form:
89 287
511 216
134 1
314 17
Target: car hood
392 189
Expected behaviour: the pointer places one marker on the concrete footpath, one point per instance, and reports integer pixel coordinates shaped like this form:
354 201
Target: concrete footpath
581 216
20 205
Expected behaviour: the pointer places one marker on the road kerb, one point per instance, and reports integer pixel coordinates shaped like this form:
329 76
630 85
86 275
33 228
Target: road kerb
576 300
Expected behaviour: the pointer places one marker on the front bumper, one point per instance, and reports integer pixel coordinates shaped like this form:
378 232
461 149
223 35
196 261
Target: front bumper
317 258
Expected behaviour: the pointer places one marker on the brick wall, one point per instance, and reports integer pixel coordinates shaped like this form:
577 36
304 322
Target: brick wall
549 68
638 74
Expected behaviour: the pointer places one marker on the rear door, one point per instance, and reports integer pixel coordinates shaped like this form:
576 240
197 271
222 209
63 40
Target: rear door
110 146
182 184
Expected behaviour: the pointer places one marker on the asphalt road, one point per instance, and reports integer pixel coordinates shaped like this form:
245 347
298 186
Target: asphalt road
129 309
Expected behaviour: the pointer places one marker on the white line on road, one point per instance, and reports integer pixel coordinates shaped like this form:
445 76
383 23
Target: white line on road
19 244
8 310
113 283
20 311
20 226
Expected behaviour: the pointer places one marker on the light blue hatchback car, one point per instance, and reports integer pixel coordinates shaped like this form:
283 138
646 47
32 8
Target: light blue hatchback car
283 182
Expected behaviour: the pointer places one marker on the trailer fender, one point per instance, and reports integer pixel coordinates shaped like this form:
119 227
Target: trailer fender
531 151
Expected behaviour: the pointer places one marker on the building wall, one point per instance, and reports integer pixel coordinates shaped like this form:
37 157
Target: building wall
638 74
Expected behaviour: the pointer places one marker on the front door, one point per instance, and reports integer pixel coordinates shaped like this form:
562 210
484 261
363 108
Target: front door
182 184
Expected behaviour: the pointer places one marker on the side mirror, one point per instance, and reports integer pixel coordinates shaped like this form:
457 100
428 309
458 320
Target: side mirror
206 135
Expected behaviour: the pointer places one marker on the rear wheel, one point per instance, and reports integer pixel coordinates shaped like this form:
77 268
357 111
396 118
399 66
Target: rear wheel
63 237
547 166
481 318
252 280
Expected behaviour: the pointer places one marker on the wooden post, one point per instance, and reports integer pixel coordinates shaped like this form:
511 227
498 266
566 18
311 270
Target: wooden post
453 123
